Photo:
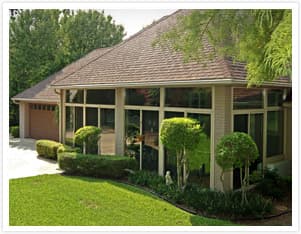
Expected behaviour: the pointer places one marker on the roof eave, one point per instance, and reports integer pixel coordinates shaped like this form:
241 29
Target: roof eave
36 100
225 81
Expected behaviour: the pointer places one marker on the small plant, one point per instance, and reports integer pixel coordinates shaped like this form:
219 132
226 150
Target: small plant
15 131
87 138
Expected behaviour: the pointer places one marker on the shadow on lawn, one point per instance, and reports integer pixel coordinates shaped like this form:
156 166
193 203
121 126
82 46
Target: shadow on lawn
119 185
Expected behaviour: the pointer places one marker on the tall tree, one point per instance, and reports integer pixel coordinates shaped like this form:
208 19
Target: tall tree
84 31
43 41
261 38
33 50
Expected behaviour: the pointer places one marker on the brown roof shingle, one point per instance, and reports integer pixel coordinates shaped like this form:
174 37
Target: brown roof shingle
42 91
137 61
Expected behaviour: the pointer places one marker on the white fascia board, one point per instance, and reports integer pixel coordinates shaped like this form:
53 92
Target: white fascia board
168 84
35 100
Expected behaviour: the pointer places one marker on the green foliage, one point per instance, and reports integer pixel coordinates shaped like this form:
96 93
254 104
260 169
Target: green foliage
209 202
181 135
273 185
47 148
88 136
67 148
88 30
95 165
237 150
226 204
259 37
67 36
15 131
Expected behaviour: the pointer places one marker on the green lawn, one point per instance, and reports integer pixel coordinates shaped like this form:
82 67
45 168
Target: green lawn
54 200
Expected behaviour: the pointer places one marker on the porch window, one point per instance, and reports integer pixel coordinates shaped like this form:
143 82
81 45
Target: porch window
74 121
75 96
274 133
142 97
275 97
101 96
247 98
188 97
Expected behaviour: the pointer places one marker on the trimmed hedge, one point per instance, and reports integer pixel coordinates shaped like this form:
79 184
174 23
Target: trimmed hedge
15 131
67 148
47 148
95 165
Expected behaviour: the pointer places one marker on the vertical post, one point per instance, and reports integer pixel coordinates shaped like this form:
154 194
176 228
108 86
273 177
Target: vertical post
221 126
161 147
63 115
119 120
22 119
265 123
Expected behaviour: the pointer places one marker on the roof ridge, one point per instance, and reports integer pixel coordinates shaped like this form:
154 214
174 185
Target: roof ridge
122 43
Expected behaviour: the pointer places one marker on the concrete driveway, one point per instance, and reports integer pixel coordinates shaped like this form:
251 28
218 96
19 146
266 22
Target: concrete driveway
23 160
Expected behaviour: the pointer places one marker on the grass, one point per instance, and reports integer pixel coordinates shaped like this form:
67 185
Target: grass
55 200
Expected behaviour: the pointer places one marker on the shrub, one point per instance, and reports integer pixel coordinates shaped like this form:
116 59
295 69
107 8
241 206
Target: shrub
181 135
15 131
226 204
157 183
237 150
95 165
273 185
88 136
67 148
47 148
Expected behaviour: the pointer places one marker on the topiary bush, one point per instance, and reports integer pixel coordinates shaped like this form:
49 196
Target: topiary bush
87 136
47 148
181 135
95 165
15 131
237 150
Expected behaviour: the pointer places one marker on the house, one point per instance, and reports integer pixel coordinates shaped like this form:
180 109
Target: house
129 89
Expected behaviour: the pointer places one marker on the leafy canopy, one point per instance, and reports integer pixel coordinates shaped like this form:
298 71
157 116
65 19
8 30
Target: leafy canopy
261 38
42 42
180 133
236 150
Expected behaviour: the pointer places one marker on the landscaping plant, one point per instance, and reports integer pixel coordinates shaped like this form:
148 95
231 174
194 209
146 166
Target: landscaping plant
47 148
15 131
87 137
181 135
237 150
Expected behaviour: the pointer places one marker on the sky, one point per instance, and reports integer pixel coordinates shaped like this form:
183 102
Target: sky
134 20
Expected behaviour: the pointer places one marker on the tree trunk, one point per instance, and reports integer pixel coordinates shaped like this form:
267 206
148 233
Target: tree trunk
179 170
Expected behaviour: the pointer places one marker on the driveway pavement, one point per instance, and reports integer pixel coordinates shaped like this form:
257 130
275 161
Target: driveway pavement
23 160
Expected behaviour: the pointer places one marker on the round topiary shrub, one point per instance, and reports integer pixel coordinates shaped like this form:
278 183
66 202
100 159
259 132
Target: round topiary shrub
237 150
87 138
181 135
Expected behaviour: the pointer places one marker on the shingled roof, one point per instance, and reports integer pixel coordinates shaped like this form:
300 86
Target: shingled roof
42 91
136 62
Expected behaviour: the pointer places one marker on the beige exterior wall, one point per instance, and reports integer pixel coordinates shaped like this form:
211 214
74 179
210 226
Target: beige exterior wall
221 119
24 119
